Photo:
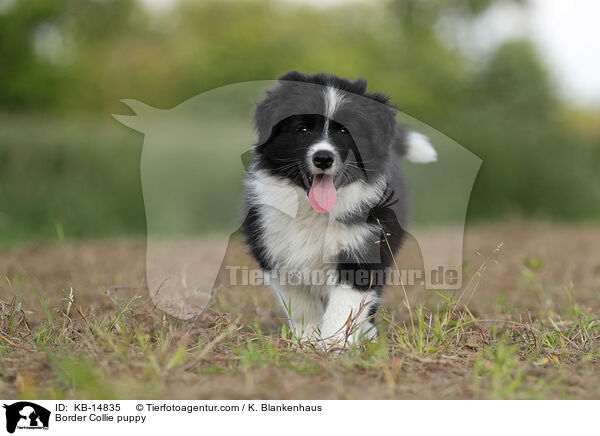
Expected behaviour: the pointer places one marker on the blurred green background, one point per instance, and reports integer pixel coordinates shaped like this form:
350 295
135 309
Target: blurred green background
69 170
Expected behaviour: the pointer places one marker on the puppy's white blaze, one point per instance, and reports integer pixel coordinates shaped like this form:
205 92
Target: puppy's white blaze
322 145
333 100
419 149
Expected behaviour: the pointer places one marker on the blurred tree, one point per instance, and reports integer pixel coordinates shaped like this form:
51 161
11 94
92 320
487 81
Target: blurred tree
29 80
533 163
83 56
516 81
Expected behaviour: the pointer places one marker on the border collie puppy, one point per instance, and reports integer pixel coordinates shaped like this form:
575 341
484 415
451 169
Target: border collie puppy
326 201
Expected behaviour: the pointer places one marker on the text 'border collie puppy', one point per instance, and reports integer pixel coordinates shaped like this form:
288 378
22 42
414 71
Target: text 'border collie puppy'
331 147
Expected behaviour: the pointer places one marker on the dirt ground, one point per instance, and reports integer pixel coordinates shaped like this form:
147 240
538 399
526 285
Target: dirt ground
533 300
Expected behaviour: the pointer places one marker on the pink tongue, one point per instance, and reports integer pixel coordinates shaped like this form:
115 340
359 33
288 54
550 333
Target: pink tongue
322 193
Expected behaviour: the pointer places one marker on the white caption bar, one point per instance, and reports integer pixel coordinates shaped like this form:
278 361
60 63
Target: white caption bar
299 417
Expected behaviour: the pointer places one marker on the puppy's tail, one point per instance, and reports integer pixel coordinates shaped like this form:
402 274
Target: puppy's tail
414 146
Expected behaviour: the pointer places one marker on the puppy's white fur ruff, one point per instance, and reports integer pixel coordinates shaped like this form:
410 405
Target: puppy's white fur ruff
308 239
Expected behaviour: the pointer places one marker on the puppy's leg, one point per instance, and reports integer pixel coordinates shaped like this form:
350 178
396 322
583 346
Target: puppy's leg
303 309
347 315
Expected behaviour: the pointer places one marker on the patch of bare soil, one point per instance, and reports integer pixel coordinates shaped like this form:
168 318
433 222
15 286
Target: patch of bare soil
540 273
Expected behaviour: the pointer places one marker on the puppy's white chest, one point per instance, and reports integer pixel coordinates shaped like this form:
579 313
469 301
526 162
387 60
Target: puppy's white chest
308 240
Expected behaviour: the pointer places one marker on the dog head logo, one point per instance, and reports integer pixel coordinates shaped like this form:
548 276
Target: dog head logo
26 415
190 168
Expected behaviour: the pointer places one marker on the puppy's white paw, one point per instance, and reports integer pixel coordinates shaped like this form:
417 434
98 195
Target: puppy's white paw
343 339
306 335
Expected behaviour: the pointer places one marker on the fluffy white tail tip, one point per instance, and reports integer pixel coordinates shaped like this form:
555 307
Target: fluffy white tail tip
419 149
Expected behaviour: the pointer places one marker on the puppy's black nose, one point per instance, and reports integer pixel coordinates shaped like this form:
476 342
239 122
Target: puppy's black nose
323 159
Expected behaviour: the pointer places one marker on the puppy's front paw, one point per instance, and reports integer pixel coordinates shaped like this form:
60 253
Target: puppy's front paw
344 338
306 335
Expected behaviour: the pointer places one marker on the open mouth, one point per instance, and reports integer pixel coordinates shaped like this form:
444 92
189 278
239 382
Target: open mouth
307 179
321 191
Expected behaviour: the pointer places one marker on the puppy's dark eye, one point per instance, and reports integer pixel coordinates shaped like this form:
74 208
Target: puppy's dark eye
344 131
302 129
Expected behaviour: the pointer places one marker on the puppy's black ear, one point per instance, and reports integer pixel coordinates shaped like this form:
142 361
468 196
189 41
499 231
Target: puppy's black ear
293 76
380 97
359 86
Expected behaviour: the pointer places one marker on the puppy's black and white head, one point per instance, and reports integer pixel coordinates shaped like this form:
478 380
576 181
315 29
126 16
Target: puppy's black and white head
323 133
311 151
